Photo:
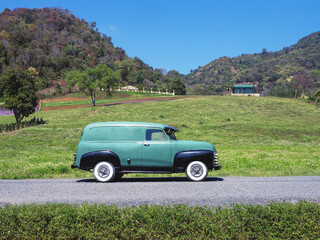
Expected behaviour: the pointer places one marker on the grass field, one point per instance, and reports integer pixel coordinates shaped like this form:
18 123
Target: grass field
101 98
254 136
64 221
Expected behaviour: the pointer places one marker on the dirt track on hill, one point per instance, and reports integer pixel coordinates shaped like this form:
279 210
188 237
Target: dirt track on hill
110 104
62 99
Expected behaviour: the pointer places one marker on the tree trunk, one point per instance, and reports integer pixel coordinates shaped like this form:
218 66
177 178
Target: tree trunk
108 91
17 116
93 99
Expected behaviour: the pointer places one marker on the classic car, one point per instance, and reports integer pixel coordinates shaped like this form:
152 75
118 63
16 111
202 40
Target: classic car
112 149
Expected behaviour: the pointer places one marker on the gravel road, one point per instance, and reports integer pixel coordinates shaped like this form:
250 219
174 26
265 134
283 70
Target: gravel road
165 191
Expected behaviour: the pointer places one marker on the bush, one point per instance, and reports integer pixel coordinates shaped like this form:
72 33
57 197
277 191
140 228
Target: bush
281 91
64 221
14 126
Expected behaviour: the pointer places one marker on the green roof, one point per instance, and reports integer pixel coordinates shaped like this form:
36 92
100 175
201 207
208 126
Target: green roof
129 124
243 86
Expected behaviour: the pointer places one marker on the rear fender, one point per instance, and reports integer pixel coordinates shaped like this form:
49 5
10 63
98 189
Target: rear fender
90 159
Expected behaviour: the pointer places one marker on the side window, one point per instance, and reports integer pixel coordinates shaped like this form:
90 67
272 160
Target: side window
155 135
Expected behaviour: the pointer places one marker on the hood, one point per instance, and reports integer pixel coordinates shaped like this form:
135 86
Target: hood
182 145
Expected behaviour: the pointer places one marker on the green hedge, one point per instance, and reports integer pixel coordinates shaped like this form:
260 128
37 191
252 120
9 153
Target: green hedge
64 221
13 126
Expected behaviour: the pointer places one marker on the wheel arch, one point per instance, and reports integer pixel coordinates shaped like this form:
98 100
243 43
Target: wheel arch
183 158
90 159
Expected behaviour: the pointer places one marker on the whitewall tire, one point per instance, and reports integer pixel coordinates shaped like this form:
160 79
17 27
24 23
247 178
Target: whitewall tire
104 172
196 171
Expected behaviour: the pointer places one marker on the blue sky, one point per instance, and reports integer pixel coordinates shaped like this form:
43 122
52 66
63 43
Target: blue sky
183 34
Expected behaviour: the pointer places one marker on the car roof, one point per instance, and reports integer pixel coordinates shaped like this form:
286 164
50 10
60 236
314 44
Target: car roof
130 124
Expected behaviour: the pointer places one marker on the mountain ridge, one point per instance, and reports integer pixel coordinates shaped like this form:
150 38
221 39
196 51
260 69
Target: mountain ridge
266 70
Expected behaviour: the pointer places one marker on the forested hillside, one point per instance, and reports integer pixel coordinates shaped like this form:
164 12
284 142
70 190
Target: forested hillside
274 73
54 41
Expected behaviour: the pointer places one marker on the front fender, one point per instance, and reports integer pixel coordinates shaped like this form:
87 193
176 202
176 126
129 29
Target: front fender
183 158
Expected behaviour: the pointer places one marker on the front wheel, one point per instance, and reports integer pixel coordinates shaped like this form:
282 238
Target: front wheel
196 171
104 172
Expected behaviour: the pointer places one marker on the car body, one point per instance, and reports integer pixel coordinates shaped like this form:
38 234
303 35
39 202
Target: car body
112 149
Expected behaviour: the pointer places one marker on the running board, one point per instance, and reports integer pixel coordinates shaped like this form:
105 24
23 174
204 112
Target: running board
155 172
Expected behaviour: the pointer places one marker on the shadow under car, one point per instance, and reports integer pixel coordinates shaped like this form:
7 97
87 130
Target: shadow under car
156 179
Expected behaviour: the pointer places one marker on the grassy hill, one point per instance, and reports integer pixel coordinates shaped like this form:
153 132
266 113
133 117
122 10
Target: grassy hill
254 136
101 99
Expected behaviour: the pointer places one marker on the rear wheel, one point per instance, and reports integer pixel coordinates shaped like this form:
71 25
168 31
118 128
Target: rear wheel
104 172
196 171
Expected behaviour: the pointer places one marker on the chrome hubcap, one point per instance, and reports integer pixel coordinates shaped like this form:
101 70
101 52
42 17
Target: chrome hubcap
196 170
103 171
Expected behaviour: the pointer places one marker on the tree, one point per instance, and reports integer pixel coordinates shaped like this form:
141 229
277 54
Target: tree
19 89
178 86
92 80
58 88
228 87
107 78
72 77
301 82
86 82
316 96
264 51
176 83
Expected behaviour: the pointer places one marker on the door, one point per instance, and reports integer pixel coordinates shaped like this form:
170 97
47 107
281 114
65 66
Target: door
156 151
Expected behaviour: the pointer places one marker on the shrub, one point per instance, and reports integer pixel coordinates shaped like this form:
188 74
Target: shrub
14 126
64 221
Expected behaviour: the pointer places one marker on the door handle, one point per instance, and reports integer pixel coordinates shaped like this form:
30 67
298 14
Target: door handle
147 144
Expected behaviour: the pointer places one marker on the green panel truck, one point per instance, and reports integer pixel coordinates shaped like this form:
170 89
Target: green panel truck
112 149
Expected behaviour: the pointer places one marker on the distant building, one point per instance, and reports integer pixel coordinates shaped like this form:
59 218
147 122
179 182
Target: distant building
244 90
129 88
